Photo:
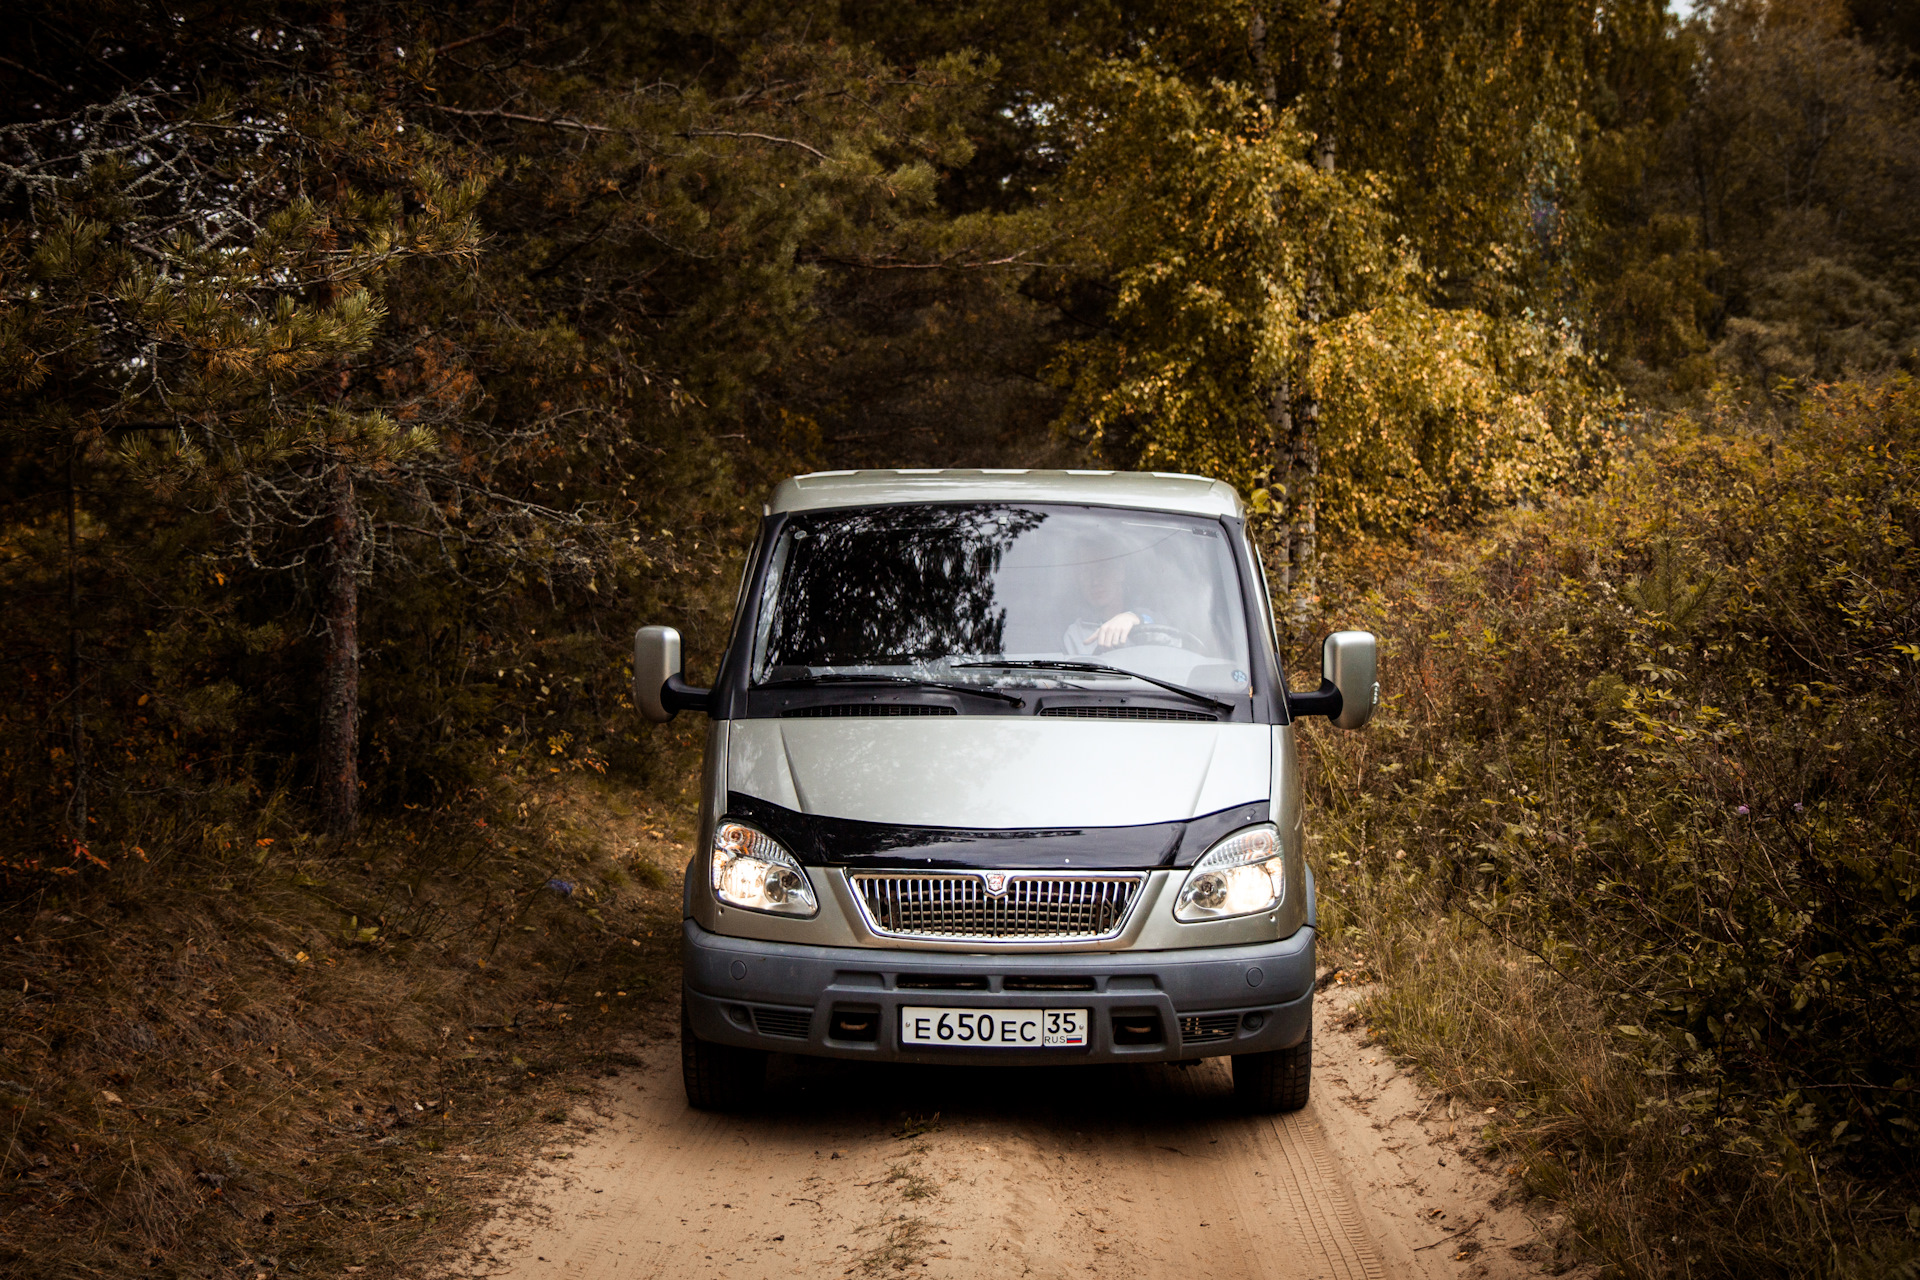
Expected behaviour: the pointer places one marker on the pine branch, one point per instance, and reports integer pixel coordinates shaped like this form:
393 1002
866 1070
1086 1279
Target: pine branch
764 137
551 122
484 35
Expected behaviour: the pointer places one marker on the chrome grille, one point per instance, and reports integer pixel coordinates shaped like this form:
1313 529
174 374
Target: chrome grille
1034 906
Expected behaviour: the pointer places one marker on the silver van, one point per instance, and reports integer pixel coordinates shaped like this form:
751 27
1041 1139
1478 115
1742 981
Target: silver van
1001 769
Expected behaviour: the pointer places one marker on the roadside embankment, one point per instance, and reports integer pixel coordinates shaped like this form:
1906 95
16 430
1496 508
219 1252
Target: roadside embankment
1631 848
270 1056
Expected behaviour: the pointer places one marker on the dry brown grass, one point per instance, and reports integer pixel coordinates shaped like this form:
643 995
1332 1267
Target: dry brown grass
1577 1120
903 1246
288 1058
1491 1026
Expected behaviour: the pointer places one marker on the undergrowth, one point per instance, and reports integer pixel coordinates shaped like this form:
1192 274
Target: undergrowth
265 1053
1633 843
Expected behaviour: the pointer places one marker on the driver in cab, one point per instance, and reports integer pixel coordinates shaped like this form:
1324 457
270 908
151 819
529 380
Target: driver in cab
1107 617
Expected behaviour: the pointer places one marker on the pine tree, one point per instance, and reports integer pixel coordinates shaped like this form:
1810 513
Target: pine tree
197 307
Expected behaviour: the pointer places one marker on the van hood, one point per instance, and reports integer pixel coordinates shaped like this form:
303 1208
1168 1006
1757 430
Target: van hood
992 773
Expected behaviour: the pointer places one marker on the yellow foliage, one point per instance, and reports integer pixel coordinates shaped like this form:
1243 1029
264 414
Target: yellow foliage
1221 235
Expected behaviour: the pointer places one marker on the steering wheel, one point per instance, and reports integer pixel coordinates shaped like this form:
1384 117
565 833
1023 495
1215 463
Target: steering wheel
1161 634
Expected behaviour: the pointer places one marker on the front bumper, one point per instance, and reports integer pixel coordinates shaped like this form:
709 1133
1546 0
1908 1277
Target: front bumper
801 999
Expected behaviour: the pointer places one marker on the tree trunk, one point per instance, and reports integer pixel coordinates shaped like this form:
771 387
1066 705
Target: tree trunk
77 723
1303 495
1277 396
1262 69
1279 405
1293 411
340 687
339 790
1303 442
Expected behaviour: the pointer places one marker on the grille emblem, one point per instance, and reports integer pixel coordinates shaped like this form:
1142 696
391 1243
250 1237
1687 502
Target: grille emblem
996 883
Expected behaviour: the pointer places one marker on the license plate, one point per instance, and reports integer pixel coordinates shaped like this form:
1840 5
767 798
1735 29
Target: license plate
994 1028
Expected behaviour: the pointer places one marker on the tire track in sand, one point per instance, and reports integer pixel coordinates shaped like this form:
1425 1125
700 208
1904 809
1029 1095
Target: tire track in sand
1064 1172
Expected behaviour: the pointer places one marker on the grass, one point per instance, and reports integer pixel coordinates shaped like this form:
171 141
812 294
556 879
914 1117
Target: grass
287 1056
1489 1025
904 1245
1581 1121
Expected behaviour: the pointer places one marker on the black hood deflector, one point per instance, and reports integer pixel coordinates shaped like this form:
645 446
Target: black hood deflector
847 842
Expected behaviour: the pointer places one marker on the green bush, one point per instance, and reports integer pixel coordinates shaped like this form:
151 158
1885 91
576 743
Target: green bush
1659 743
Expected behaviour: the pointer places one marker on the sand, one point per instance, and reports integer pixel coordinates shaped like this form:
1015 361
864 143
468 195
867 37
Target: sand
870 1170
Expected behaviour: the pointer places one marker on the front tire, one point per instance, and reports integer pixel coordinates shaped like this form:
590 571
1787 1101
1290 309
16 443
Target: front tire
718 1077
1276 1081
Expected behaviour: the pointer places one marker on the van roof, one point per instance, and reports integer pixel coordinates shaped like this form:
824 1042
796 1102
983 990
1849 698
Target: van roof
1147 490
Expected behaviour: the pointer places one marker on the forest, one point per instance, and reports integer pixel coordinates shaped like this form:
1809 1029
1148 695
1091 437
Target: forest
369 371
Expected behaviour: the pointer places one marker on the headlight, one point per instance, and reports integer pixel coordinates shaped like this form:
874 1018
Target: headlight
1242 875
751 871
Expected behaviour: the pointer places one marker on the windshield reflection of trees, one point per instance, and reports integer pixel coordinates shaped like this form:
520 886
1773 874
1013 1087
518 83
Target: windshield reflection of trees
894 586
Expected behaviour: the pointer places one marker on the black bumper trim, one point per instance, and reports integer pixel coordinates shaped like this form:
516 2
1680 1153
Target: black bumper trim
730 981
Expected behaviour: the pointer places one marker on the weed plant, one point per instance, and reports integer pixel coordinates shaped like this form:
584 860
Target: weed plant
1633 844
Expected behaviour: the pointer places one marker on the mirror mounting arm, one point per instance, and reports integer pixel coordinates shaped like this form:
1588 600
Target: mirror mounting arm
677 695
1324 701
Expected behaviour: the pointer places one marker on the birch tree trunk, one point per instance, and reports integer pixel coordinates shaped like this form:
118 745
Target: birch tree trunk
1303 439
1293 411
1278 394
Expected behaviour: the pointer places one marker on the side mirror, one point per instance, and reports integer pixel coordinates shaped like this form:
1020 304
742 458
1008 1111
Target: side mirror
658 689
1349 682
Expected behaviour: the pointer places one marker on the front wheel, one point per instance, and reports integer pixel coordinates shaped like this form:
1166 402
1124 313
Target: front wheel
718 1077
1276 1081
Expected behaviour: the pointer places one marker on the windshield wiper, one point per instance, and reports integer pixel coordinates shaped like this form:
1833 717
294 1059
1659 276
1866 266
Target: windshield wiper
850 677
1101 668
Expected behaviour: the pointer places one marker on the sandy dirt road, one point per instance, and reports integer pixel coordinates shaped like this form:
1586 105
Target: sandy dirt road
1067 1172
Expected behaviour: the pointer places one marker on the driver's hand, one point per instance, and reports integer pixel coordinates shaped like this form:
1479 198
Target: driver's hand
1115 630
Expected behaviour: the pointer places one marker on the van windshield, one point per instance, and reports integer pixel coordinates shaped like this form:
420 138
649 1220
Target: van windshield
930 592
